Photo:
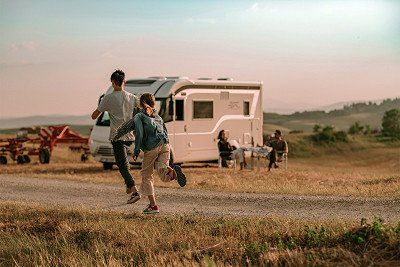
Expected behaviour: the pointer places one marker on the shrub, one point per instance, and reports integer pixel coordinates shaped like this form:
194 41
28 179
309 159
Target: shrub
328 135
391 124
356 128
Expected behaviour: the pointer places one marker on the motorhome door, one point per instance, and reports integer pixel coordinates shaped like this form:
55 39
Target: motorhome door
180 144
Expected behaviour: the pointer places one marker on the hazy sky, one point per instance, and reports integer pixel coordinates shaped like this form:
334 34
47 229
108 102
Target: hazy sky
56 56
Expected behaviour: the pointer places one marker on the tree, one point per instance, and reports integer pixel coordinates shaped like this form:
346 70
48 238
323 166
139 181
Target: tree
356 128
391 123
316 128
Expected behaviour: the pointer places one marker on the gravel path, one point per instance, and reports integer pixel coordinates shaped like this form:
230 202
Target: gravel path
92 196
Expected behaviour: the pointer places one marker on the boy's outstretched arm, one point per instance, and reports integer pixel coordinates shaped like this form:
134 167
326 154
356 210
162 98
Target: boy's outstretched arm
96 114
125 128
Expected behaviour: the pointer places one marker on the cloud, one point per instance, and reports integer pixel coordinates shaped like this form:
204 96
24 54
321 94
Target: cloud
254 7
257 8
24 46
201 20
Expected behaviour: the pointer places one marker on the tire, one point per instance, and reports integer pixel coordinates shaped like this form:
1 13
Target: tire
3 160
44 156
107 166
84 157
27 159
20 159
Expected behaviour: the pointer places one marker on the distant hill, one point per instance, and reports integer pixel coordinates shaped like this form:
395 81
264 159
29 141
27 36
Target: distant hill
370 113
81 129
11 123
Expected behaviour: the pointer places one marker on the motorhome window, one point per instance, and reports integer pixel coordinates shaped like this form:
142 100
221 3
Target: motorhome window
203 109
162 107
246 108
103 119
179 108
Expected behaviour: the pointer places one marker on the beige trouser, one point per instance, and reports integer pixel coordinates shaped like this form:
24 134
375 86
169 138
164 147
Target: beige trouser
158 159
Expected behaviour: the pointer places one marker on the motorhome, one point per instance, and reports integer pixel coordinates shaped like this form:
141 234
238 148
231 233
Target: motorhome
194 111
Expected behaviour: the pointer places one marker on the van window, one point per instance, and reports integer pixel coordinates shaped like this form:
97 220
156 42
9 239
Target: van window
162 107
203 109
103 119
179 108
246 108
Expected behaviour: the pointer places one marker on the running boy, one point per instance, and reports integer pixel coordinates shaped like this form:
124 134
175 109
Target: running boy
152 138
120 105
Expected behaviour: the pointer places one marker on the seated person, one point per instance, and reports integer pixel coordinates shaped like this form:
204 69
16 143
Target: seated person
279 147
227 151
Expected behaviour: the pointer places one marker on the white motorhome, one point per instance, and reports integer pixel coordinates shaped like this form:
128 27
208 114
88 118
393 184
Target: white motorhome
194 112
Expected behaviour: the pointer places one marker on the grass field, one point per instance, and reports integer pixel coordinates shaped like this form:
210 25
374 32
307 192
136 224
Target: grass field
32 236
360 168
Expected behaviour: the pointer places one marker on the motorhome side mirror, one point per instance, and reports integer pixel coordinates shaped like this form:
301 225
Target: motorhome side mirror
171 107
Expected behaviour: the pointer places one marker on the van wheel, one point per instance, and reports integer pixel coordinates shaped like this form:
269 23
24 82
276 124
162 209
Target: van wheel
27 159
3 160
20 159
107 166
44 156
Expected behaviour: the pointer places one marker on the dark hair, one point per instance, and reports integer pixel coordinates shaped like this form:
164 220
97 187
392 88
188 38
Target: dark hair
278 132
147 99
118 77
220 134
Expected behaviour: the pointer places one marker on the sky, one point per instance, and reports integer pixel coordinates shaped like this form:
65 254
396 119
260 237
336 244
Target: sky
56 57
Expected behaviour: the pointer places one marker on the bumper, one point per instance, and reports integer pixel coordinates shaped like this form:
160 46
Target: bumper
103 152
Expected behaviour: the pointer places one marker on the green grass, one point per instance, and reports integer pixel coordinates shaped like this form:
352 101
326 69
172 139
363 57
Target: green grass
31 236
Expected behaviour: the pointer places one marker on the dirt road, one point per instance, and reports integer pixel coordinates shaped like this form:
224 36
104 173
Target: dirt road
64 193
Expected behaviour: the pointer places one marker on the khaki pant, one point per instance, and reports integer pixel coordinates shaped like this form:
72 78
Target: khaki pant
158 159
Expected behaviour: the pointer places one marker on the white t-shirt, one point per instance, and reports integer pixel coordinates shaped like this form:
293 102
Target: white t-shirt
119 105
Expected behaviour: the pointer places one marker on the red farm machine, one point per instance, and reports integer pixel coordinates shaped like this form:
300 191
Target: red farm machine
20 149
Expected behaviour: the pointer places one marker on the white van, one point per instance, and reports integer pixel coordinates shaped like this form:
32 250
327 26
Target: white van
194 111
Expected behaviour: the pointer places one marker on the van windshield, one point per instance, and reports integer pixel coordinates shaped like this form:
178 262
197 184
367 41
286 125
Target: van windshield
162 107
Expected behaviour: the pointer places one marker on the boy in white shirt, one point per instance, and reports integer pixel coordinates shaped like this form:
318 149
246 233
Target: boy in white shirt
120 106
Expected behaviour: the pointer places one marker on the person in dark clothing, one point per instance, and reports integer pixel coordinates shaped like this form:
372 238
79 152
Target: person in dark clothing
227 151
279 147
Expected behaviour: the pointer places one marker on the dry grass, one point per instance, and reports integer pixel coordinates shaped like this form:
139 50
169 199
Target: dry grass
32 236
368 172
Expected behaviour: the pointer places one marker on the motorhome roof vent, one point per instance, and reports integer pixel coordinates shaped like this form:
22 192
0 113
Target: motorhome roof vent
144 82
157 77
204 79
225 79
177 78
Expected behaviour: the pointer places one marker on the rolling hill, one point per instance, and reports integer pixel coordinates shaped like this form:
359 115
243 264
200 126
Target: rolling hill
367 113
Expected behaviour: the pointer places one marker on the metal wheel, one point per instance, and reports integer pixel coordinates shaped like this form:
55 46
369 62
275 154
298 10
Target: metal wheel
27 159
84 157
107 165
20 159
3 160
44 156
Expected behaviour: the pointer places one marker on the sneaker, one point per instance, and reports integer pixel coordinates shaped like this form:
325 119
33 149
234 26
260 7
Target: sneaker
134 198
180 176
151 210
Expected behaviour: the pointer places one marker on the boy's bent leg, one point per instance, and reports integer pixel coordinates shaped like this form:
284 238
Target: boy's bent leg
121 158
